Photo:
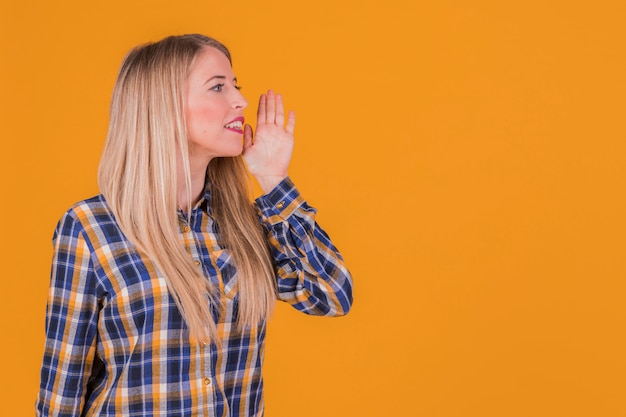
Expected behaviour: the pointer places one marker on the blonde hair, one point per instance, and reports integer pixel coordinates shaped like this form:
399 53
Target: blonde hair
138 178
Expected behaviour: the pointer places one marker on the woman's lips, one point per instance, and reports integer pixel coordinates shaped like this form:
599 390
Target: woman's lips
235 125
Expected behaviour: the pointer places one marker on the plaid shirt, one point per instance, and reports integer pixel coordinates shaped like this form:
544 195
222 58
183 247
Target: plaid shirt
116 343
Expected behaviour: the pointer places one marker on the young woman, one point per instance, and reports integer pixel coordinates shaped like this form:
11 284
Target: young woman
162 284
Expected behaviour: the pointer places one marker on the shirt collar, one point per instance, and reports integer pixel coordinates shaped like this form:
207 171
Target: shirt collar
205 199
202 204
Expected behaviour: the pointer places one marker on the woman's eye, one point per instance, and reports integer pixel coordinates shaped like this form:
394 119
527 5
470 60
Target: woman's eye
238 87
217 87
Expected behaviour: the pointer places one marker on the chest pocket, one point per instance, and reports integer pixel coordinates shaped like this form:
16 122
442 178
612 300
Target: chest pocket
224 263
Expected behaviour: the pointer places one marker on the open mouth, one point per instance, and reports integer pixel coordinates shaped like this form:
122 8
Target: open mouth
236 125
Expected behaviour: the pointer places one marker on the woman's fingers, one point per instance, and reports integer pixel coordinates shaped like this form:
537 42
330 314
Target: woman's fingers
270 109
291 122
260 113
280 112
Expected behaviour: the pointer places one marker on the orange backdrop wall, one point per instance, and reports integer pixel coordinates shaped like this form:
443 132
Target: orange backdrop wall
467 157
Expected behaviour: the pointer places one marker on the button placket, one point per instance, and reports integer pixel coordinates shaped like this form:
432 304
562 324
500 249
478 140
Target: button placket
207 379
183 222
191 243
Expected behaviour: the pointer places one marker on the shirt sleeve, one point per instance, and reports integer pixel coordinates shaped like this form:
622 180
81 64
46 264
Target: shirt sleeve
311 273
71 324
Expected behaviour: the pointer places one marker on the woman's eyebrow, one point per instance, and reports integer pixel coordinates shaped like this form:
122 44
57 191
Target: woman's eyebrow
220 77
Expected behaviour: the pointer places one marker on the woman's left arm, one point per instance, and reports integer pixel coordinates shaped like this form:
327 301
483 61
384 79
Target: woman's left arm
311 273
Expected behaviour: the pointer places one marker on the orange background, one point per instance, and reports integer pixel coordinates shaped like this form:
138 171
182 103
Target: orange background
467 157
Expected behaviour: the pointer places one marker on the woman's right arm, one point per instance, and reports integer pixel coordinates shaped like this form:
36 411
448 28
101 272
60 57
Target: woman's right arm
71 323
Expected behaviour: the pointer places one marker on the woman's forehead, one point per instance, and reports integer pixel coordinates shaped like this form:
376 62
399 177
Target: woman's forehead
210 61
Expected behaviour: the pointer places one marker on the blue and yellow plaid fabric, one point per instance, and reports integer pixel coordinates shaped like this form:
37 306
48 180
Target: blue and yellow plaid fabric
116 344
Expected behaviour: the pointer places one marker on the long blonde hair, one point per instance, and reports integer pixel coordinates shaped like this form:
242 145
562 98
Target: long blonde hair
138 178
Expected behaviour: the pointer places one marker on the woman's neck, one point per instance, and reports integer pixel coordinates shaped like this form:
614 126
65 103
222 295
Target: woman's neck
198 169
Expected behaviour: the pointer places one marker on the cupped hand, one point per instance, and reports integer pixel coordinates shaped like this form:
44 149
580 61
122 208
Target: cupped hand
268 152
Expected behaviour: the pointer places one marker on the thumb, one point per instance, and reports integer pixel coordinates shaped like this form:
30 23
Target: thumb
247 137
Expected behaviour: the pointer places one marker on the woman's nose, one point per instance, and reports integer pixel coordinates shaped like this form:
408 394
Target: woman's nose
239 101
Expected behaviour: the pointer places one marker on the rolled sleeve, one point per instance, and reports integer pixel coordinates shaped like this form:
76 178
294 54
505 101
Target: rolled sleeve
280 203
311 273
71 324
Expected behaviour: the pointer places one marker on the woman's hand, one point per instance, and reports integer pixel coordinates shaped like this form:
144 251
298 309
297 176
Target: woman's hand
268 153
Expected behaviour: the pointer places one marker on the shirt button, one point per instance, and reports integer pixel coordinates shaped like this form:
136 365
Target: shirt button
207 381
197 263
185 228
280 205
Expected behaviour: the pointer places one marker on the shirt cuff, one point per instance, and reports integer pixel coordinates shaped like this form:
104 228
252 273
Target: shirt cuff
277 205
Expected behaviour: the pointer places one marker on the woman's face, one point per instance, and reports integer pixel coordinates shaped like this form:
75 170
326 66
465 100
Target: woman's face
213 107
